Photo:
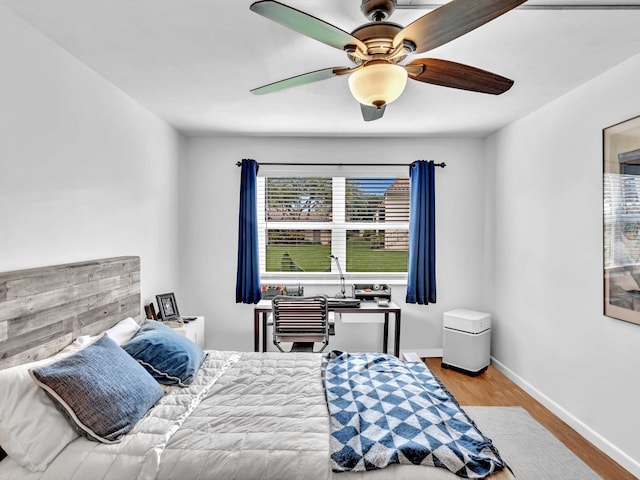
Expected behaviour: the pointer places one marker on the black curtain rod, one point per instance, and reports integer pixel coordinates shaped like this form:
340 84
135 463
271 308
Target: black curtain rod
441 165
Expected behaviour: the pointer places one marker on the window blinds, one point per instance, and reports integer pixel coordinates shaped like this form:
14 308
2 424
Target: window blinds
362 220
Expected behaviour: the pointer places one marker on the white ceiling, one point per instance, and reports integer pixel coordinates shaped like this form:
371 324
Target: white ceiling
193 62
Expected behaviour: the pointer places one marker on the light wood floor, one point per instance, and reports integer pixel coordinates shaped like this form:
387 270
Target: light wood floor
492 388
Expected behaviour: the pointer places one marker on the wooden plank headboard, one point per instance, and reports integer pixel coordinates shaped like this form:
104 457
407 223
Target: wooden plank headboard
43 309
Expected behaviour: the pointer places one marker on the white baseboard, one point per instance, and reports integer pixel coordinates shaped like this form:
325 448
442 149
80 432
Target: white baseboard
424 352
592 436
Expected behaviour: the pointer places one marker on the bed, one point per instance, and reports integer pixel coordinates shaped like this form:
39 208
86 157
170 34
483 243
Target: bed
240 415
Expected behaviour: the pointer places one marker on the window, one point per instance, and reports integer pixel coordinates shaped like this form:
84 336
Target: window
364 221
621 220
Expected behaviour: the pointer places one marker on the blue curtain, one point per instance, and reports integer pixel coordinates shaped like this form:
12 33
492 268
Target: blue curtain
248 276
421 276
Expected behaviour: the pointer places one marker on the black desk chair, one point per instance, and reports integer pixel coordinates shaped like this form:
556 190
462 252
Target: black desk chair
301 320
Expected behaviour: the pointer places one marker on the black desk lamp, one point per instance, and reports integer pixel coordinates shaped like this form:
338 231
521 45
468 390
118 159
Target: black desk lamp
341 294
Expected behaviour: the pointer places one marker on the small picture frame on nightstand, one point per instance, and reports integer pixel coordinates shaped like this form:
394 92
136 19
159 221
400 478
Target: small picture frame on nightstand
167 307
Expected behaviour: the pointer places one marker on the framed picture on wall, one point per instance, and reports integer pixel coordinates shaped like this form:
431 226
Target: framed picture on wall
621 220
167 306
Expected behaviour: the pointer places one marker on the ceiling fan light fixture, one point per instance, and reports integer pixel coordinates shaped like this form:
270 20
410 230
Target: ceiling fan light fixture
378 84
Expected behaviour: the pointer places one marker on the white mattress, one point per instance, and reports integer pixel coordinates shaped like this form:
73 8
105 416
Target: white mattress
253 416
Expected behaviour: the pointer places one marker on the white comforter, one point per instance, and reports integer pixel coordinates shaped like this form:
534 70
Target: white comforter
246 416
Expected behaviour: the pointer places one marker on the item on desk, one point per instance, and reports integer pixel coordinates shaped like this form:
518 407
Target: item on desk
343 302
270 291
371 291
383 302
341 294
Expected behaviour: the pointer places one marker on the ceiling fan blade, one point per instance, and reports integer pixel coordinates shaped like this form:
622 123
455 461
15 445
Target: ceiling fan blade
457 75
299 80
450 21
370 113
306 24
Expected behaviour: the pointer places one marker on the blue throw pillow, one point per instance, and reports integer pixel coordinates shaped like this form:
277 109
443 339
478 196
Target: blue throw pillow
171 358
101 389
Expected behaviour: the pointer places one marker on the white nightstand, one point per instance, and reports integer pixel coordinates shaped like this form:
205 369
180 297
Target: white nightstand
194 331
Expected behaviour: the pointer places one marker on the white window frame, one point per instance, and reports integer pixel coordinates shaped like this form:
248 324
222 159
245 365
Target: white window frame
338 229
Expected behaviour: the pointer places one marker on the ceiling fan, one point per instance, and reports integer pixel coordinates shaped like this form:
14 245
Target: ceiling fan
377 48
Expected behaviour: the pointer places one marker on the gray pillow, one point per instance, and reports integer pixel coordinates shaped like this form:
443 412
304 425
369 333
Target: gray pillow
103 391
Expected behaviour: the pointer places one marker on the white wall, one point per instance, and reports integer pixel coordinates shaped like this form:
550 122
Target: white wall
85 172
209 216
550 333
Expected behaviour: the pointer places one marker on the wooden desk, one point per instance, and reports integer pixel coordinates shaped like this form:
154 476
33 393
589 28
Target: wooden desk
263 309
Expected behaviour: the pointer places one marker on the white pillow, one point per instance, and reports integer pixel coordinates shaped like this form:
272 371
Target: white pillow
122 331
32 430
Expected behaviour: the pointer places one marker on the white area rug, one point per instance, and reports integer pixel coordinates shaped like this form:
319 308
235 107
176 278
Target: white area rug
532 452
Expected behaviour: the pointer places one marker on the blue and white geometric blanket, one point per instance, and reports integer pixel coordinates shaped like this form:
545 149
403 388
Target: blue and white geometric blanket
386 411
